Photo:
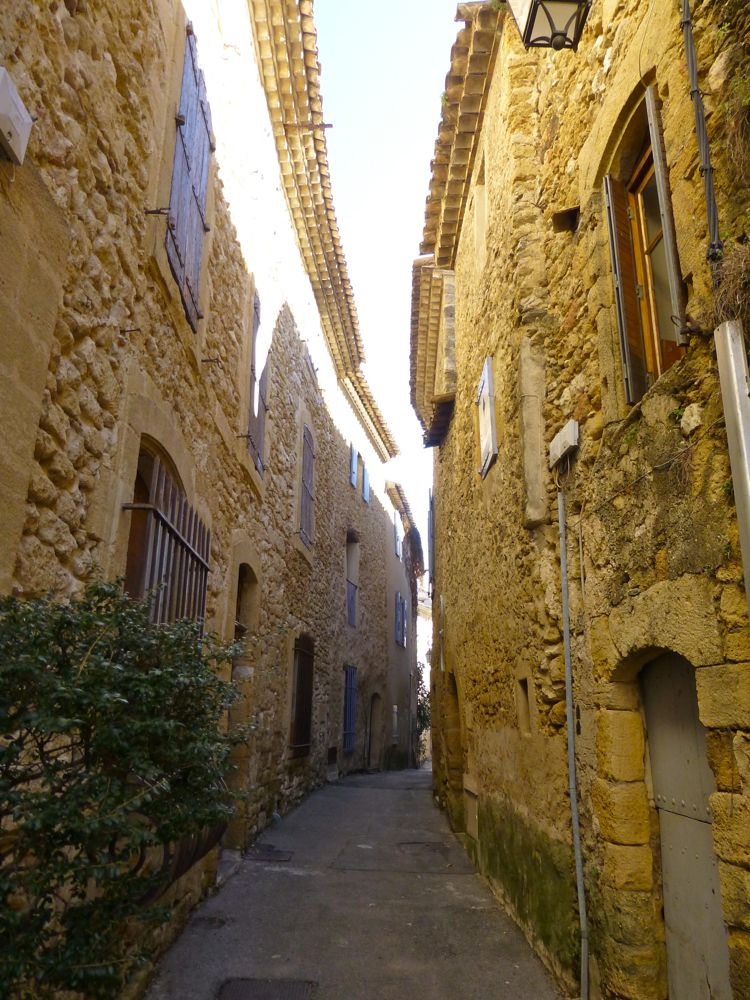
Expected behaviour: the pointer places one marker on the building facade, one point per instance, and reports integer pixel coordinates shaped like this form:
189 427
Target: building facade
564 278
180 373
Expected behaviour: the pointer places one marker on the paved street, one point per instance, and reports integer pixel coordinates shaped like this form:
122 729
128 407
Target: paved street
363 891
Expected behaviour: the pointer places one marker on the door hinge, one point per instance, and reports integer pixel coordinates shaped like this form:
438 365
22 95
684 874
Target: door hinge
640 292
629 210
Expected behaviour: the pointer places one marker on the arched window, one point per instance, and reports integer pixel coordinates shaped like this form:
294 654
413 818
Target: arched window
300 730
649 293
168 546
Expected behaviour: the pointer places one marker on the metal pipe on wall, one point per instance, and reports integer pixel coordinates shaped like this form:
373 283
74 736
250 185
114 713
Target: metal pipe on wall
572 781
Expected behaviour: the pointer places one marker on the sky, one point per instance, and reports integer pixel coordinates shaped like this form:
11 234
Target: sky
383 68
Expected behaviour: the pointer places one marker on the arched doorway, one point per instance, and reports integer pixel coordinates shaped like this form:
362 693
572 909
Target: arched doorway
697 951
375 743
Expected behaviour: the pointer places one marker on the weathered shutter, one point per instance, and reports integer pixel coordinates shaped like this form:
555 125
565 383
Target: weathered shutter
187 203
404 617
350 709
353 455
661 174
626 289
398 616
260 420
365 484
307 500
487 429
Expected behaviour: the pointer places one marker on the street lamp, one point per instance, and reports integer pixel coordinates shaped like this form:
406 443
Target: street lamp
555 24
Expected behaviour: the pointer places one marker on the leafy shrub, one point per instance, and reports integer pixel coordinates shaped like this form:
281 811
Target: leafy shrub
110 747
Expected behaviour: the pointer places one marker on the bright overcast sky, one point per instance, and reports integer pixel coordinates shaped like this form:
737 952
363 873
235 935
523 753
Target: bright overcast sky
383 74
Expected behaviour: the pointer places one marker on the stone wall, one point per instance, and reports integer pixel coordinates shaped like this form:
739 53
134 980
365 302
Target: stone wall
99 356
652 533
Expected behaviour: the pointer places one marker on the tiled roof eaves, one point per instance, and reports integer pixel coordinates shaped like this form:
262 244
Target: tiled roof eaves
397 496
358 392
287 55
428 288
466 89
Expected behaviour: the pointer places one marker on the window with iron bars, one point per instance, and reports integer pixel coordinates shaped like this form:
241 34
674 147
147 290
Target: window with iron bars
168 547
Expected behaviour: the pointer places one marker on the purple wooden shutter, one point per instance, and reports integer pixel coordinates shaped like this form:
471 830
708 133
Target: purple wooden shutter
187 203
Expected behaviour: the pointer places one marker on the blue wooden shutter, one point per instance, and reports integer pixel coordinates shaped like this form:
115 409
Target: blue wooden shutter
365 484
398 616
353 455
187 203
350 709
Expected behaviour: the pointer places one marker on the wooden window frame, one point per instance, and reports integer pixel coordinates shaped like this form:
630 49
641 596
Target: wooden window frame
643 355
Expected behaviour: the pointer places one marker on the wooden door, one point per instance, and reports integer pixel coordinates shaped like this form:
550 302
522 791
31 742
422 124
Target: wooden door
697 951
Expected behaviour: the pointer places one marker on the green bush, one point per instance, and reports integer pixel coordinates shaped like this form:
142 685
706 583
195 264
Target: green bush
110 747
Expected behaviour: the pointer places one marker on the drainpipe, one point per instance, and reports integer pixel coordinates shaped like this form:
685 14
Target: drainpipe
572 782
731 353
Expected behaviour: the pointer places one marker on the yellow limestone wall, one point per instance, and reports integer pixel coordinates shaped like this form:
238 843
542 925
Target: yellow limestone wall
96 353
649 501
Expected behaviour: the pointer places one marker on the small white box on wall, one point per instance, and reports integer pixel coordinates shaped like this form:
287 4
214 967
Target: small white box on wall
15 120
563 443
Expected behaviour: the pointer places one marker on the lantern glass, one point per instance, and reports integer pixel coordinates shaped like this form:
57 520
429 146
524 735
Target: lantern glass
555 24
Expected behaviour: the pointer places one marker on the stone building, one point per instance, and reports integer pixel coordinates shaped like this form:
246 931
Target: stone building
180 371
564 278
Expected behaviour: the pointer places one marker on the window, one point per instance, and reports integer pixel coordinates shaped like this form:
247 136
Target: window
353 457
350 708
487 430
401 616
246 611
302 698
187 224
256 427
168 546
394 725
352 576
307 499
365 484
397 530
649 295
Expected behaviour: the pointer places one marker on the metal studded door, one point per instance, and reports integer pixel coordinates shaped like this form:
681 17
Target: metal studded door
697 952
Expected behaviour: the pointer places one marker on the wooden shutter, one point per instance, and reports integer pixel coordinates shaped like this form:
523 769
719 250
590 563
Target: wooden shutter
260 420
350 709
404 615
487 430
353 455
398 617
307 499
661 174
301 724
626 289
365 484
187 203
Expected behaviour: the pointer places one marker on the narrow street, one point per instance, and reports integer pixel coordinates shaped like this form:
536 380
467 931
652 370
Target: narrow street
363 891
